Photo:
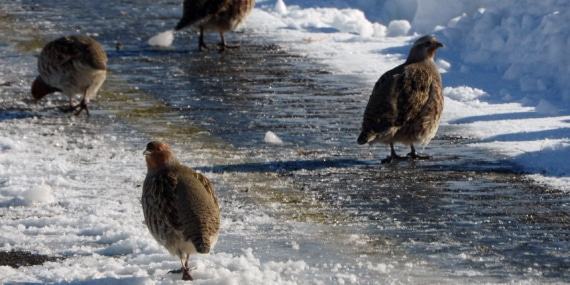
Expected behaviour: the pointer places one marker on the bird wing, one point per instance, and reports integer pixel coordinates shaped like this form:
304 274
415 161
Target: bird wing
199 209
66 50
195 11
381 111
92 52
413 87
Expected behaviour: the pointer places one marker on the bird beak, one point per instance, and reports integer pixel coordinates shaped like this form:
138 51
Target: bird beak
439 45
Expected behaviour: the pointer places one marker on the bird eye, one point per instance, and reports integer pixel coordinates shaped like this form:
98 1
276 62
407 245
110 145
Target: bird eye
427 44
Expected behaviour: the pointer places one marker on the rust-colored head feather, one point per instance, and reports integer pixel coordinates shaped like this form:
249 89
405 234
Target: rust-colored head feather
158 154
423 48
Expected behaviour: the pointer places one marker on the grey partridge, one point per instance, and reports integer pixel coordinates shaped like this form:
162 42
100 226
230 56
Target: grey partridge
214 15
71 65
180 207
406 102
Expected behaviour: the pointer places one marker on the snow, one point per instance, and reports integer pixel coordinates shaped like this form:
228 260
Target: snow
163 39
505 57
272 138
505 72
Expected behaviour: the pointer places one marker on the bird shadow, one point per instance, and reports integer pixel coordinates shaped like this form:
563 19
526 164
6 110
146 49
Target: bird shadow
560 133
498 117
285 166
7 115
107 280
403 50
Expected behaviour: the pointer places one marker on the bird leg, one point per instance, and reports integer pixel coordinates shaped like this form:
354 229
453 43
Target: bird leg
68 109
393 156
185 270
201 43
223 45
82 106
414 154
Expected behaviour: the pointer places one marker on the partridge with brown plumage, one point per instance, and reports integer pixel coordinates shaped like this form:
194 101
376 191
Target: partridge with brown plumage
406 102
180 207
71 65
214 15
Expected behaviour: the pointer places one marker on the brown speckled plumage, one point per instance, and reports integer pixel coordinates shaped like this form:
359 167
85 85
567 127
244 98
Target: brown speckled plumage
406 102
180 207
214 15
71 65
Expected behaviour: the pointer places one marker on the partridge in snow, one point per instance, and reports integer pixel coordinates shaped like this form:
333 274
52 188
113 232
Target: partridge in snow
71 65
180 207
406 102
214 15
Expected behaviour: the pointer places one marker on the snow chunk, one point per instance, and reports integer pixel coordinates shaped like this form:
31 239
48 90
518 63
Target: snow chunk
464 93
38 194
398 28
546 108
329 20
280 7
163 39
272 138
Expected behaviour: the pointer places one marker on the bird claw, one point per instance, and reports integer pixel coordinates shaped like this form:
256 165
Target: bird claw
393 158
186 275
224 46
185 272
176 271
415 155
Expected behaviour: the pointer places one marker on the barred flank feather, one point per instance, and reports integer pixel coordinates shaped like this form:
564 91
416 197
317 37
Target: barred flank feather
71 65
219 16
407 102
180 207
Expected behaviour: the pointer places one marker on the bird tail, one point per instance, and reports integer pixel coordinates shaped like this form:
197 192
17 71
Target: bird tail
202 245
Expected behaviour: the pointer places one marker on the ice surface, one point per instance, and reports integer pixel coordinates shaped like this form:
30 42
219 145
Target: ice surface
67 192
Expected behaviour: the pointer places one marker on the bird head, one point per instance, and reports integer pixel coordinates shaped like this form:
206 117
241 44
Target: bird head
158 154
424 48
40 89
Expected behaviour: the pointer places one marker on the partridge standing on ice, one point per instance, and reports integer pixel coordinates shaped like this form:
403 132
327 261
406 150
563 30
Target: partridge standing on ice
180 207
214 15
406 102
71 65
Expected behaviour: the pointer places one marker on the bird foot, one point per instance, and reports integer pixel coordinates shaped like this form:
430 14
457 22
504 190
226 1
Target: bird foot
203 46
176 271
67 109
415 155
185 272
224 46
393 158
82 106
186 275
78 108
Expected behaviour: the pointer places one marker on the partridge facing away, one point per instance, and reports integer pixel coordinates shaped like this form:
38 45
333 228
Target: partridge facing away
406 102
180 207
71 65
214 15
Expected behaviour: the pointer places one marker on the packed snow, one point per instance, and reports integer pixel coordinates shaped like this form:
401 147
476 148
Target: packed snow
163 39
272 138
505 74
504 65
